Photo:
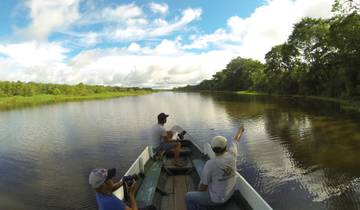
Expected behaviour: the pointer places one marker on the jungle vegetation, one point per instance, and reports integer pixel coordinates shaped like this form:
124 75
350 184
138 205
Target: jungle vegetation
31 88
321 57
21 94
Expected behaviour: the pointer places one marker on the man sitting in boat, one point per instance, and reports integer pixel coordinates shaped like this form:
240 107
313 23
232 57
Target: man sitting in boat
162 140
218 178
100 179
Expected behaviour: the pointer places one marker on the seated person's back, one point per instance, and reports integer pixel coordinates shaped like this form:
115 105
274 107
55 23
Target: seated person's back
219 174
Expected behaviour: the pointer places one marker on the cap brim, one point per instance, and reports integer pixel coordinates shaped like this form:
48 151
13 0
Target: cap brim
111 173
167 115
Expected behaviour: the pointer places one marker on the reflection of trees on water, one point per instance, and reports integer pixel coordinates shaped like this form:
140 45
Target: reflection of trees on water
314 132
320 140
323 141
326 148
240 106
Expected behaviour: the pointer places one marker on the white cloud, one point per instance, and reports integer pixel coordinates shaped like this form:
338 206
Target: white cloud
152 70
91 38
134 47
48 16
121 12
123 22
268 25
34 53
147 67
188 16
34 61
132 25
159 8
162 66
169 63
157 28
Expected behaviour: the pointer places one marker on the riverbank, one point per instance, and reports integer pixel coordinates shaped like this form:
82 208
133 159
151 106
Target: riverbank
12 102
345 104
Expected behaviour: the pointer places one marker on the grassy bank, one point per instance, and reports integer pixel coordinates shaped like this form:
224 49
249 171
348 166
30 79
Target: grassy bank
345 103
12 102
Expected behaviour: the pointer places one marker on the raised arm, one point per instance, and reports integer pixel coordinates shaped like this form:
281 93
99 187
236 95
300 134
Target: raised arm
232 145
239 133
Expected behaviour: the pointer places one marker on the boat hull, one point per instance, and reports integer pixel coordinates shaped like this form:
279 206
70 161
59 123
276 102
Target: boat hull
153 193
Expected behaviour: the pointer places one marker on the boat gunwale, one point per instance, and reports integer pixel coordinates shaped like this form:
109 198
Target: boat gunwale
140 162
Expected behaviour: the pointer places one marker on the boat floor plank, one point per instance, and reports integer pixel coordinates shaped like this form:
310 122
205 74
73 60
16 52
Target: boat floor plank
190 184
169 164
177 186
180 187
168 201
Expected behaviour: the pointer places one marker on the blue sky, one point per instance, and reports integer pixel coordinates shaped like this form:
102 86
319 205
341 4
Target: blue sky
159 44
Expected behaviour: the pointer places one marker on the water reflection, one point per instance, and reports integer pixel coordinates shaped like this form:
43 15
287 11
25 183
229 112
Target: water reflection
298 154
293 149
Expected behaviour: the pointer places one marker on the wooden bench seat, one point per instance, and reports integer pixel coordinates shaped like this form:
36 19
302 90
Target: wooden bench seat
148 187
183 152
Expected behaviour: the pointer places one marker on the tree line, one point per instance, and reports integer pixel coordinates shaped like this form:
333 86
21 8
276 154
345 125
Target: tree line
320 57
31 88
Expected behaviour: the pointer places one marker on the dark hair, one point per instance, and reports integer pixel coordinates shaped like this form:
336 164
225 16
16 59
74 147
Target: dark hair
219 150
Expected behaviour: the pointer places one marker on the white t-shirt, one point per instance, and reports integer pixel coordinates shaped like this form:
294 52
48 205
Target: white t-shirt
158 132
219 174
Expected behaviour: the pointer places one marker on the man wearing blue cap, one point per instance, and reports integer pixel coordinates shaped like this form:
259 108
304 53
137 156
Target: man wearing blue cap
100 179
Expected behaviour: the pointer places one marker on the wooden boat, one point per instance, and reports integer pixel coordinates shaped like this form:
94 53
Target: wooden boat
163 185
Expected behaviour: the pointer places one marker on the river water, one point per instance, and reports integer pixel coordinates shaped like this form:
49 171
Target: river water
297 153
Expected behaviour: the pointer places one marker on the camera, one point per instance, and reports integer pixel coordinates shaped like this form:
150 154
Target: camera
130 179
181 135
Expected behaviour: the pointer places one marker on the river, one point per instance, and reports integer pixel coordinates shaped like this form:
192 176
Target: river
297 153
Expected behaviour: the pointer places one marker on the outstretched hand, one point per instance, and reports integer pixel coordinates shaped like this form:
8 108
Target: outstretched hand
239 133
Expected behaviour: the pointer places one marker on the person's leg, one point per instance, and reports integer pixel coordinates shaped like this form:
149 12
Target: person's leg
198 200
172 146
177 151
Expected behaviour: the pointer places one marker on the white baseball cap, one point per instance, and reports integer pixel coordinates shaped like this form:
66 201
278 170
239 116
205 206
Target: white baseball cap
218 142
99 175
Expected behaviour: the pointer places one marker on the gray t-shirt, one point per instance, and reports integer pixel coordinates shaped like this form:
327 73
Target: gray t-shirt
158 132
219 174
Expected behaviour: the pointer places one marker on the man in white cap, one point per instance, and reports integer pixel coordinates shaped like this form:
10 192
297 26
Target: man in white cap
100 179
217 181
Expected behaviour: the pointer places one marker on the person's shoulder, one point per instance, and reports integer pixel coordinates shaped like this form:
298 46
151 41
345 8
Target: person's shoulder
228 156
155 126
109 201
102 196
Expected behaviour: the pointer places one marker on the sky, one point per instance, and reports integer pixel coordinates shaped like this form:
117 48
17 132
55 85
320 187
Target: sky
158 44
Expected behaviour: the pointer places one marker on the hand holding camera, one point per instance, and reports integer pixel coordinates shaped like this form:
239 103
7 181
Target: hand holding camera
129 182
130 179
